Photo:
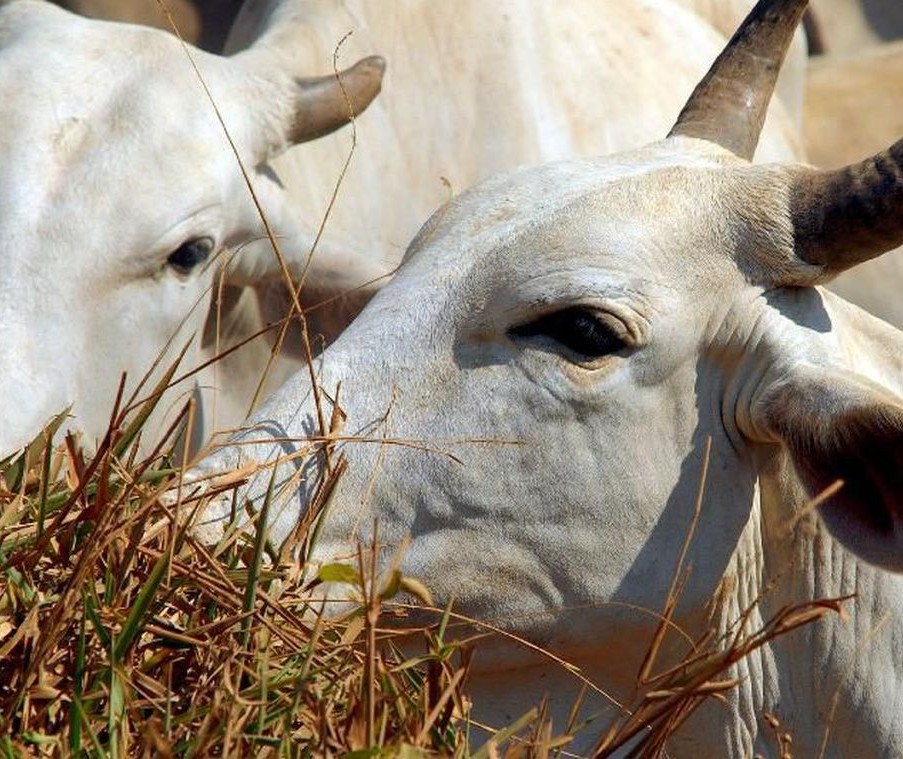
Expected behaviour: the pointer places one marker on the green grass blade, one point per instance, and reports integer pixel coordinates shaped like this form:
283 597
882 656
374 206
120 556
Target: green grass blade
7 749
45 484
146 409
15 467
92 736
96 622
260 539
78 684
485 751
134 622
117 711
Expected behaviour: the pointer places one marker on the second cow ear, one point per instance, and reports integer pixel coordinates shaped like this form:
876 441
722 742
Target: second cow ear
840 426
332 269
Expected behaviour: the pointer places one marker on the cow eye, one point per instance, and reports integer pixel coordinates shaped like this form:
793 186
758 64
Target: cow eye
579 329
190 254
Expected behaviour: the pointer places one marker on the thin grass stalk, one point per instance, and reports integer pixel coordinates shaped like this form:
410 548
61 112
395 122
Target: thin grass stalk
92 735
440 704
146 407
78 680
372 609
133 625
260 538
45 483
114 703
489 750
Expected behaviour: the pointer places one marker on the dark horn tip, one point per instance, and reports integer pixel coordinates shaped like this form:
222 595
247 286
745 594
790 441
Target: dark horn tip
369 72
365 80
365 77
375 64
728 106
844 217
327 103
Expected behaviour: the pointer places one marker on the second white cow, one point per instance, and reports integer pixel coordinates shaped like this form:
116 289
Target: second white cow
120 195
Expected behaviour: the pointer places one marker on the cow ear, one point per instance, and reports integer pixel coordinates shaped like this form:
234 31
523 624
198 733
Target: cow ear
321 264
841 426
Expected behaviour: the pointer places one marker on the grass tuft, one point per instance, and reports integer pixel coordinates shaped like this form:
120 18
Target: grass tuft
121 635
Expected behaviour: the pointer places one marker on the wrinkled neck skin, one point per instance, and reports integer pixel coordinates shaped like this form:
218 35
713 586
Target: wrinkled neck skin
835 684
753 546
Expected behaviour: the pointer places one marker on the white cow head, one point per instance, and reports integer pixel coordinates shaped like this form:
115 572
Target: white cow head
120 193
529 398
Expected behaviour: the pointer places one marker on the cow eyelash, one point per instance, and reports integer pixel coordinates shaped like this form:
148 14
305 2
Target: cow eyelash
579 329
190 254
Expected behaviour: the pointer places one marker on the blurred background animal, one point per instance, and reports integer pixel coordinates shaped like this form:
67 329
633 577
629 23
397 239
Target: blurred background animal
205 23
852 26
124 206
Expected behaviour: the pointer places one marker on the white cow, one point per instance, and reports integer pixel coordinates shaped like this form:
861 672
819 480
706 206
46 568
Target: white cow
119 193
529 399
475 88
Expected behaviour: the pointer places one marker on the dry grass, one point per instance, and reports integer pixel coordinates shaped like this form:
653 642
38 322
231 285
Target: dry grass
120 635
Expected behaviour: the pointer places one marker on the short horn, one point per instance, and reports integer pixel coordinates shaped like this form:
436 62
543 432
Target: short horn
274 45
728 106
297 109
324 104
846 216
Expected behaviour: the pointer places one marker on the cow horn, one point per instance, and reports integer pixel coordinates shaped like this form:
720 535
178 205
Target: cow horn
297 109
728 106
845 216
323 104
269 42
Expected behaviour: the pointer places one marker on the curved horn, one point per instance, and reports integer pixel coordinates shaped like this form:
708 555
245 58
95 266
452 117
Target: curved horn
290 109
850 215
728 106
274 44
324 104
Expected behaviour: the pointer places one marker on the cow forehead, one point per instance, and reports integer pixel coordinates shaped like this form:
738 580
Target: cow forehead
48 45
80 79
661 212
106 121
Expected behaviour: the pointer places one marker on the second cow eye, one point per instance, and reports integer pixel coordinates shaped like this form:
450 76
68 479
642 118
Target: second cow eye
190 254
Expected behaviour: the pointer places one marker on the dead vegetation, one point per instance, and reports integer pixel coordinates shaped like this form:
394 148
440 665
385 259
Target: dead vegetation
121 635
